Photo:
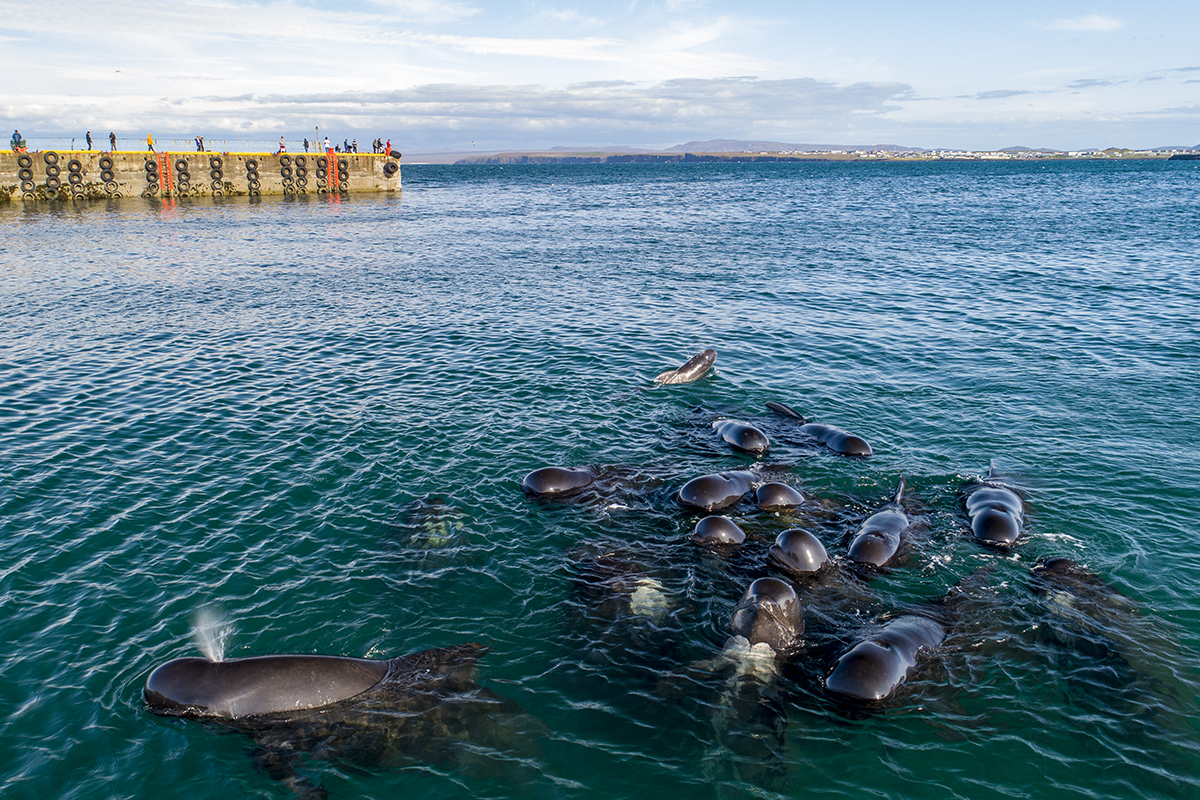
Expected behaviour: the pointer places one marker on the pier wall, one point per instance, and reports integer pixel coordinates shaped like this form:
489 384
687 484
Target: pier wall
76 174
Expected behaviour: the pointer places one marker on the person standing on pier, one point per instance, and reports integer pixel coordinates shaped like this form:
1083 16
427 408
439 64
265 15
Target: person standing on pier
282 145
88 135
150 142
327 143
306 144
112 141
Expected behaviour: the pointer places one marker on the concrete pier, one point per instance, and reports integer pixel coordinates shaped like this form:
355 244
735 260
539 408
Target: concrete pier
85 175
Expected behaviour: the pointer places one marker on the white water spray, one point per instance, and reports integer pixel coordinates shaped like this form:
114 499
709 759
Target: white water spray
210 630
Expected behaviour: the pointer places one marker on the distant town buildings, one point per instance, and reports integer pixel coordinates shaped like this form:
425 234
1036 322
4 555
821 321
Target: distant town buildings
1015 154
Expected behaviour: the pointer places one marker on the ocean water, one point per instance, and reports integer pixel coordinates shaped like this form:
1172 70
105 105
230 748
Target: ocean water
313 416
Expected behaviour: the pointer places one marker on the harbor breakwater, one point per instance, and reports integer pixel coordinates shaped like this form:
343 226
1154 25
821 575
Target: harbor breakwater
83 175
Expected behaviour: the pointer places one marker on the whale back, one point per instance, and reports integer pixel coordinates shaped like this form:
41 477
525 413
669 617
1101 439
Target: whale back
246 687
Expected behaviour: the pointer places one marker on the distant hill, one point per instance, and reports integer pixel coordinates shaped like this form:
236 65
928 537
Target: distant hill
616 148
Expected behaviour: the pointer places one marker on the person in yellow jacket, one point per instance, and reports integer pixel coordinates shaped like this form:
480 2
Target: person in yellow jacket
150 143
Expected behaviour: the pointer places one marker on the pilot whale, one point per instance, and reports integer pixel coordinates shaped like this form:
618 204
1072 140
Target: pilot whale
797 552
769 614
835 439
717 532
995 510
693 369
557 481
775 496
424 707
879 537
875 667
742 436
710 492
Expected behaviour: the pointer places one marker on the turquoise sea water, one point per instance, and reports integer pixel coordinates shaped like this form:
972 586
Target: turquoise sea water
254 406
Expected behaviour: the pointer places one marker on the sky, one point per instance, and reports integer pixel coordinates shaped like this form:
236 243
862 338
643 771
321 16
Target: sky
487 75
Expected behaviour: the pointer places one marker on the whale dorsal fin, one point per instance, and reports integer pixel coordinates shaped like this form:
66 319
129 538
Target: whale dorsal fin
787 411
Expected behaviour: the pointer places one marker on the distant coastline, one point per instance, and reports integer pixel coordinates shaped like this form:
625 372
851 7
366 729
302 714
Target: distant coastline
600 157
740 150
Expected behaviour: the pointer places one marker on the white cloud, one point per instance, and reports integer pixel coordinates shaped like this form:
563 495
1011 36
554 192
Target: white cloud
548 72
665 113
1089 22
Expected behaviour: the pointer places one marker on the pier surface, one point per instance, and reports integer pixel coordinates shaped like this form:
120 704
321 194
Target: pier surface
92 174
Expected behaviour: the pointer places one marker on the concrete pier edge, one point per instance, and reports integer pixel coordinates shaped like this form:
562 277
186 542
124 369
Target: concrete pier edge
64 175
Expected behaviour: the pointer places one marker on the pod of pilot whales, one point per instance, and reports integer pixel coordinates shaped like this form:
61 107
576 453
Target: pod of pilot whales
402 706
769 620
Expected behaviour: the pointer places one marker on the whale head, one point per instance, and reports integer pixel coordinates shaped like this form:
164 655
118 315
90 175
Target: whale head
247 687
769 612
717 531
796 552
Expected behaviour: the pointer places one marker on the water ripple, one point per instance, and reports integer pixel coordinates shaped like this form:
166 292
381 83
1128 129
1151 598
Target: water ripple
317 415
